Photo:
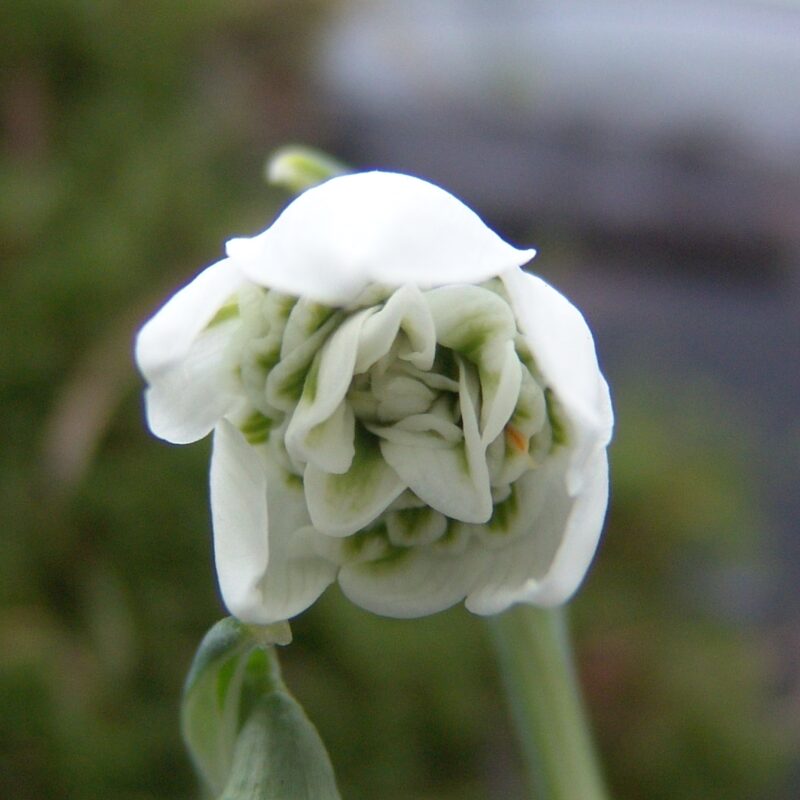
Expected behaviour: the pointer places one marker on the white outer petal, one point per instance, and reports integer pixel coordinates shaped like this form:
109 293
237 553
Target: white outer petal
185 402
165 339
505 583
373 227
239 516
189 390
581 537
266 572
563 348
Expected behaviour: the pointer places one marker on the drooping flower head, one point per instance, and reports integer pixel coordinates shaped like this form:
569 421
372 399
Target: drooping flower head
395 403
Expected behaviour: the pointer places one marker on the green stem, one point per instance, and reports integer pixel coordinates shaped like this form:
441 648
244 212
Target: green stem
536 664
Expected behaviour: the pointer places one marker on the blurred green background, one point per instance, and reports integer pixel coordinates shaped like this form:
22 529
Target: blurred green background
133 142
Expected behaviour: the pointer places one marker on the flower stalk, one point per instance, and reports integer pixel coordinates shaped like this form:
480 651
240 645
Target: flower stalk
537 668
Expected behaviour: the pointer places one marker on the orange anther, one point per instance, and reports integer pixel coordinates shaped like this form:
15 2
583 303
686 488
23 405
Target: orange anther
516 439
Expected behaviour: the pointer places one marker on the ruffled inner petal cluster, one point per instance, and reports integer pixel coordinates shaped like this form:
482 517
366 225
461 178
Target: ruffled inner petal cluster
417 421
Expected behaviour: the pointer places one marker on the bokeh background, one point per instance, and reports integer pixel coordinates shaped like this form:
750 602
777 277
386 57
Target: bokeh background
650 150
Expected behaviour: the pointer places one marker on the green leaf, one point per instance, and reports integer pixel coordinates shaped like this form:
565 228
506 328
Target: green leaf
248 737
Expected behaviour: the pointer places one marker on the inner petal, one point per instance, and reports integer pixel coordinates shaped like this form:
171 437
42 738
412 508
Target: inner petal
405 309
305 319
501 376
325 385
421 430
453 480
400 396
469 318
415 526
329 444
432 378
286 381
340 505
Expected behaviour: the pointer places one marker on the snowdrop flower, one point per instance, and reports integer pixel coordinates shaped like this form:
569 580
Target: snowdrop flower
395 404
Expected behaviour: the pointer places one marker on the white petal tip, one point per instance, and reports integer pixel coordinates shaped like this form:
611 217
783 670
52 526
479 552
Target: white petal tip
239 248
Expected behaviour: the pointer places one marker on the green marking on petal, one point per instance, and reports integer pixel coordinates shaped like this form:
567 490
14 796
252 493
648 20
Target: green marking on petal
278 306
445 364
256 428
366 545
469 318
286 381
500 372
411 520
367 454
317 315
311 382
228 311
415 526
525 355
555 417
341 504
392 559
504 514
462 460
305 319
490 380
361 474
406 500
293 481
472 337
530 412
291 386
286 303
269 358
455 539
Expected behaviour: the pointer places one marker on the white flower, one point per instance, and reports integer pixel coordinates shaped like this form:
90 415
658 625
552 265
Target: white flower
394 403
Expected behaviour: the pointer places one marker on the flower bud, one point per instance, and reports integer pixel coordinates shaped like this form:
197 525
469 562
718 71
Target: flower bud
248 737
395 404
